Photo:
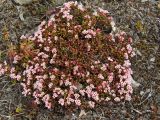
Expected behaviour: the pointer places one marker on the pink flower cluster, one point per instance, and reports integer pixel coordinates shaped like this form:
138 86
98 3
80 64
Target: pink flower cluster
89 33
72 62
3 68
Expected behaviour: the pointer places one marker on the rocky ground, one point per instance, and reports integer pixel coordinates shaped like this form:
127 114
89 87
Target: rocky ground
140 18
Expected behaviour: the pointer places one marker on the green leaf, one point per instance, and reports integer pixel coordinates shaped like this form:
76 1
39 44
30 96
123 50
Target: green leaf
139 25
14 82
19 109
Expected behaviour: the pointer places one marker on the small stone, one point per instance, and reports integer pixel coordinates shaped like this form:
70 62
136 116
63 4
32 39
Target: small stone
159 5
152 59
138 53
142 93
144 0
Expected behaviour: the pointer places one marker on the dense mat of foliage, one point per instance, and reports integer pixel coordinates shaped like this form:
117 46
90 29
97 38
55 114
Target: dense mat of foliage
74 59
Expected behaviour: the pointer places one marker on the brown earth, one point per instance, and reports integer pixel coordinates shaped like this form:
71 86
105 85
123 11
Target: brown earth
140 19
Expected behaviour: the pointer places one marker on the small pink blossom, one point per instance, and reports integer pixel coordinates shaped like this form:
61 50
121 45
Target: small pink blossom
95 13
127 97
129 48
103 67
16 59
23 37
100 76
91 104
92 67
110 77
46 48
55 38
110 59
88 36
117 99
95 96
76 96
78 102
103 11
61 101
55 95
88 47
82 92
50 85
48 105
108 98
80 7
18 77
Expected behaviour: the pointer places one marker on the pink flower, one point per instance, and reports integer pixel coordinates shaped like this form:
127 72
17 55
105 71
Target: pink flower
129 48
50 85
18 77
91 104
89 33
127 63
113 25
23 37
82 92
78 102
125 55
88 47
69 100
68 4
100 76
48 105
37 101
76 96
96 62
2 72
61 101
76 36
52 61
110 59
76 68
66 14
84 31
45 76
55 95
80 7
92 67
95 13
107 99
46 48
117 99
110 77
46 98
51 75
87 16
103 67
55 38
127 97
104 83
95 96
103 11
88 36
67 83
16 59
87 74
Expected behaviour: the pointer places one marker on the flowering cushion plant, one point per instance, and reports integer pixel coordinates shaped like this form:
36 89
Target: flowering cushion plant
73 59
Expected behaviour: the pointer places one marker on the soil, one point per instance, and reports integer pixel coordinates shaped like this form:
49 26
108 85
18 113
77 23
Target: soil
139 18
